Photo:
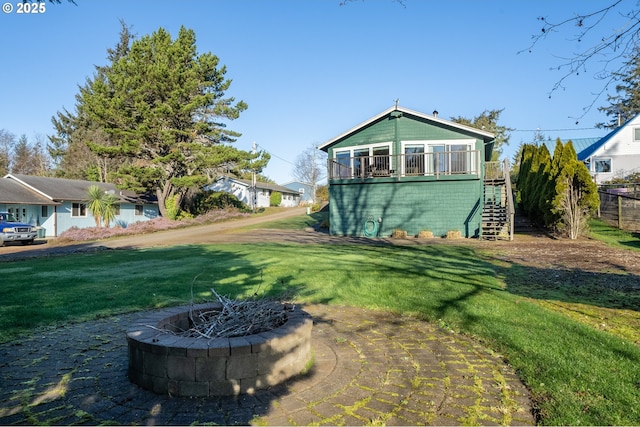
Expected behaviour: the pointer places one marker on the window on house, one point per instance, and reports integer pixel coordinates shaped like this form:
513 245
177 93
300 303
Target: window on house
452 158
381 161
361 161
139 210
414 159
459 158
78 209
603 165
343 159
440 159
44 211
636 134
301 190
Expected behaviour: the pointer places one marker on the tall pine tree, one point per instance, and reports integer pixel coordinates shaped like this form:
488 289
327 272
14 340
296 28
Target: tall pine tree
68 147
159 110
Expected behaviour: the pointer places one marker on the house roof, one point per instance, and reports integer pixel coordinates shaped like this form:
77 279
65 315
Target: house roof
586 147
60 189
261 185
13 192
296 183
487 137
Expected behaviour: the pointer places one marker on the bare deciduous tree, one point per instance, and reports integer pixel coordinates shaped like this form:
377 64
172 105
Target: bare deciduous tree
607 36
7 141
310 167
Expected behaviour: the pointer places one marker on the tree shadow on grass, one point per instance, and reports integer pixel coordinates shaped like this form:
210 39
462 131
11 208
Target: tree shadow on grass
606 290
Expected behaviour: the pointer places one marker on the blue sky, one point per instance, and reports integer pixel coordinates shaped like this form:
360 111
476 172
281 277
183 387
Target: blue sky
311 69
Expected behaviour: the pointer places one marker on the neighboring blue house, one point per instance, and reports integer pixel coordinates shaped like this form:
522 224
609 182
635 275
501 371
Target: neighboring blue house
616 155
305 190
55 204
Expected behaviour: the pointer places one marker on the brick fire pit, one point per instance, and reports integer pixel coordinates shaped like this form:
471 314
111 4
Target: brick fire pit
186 366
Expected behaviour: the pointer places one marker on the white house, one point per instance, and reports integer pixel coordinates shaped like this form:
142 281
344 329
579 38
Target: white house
55 204
259 197
615 155
305 190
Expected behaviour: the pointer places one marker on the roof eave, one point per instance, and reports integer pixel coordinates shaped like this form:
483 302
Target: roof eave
487 137
11 176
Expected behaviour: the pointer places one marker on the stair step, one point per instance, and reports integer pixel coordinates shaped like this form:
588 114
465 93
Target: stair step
496 222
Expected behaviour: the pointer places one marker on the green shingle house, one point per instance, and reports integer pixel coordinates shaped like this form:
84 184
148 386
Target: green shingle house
408 171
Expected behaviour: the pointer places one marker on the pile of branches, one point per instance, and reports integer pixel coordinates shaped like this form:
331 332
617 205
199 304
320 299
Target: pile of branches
237 318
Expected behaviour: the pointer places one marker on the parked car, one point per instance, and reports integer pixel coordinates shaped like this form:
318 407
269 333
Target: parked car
14 231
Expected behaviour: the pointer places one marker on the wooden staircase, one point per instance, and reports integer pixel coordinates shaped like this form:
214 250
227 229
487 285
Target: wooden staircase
497 209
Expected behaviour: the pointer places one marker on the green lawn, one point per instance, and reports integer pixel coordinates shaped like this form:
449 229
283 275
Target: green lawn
578 374
599 230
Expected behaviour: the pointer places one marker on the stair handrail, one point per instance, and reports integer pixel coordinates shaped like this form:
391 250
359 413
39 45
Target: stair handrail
511 209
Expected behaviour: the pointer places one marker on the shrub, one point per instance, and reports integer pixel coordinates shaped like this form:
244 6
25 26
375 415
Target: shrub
215 200
557 193
172 207
142 227
275 199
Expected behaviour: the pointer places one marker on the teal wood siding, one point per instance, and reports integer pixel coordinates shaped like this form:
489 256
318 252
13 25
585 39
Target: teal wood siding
409 129
380 131
399 198
438 206
396 130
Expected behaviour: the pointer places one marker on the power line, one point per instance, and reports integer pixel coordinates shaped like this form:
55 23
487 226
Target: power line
551 130
271 154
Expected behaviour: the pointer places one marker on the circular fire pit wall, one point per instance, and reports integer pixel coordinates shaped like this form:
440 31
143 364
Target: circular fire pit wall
186 366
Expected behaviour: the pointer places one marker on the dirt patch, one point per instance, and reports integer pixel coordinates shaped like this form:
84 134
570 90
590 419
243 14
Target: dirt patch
531 249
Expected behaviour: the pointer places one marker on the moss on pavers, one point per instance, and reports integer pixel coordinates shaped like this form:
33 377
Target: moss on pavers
371 368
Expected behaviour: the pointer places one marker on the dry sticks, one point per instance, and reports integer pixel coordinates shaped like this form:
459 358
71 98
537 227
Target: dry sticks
237 318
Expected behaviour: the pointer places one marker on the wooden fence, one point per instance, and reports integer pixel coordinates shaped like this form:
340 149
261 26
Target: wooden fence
620 208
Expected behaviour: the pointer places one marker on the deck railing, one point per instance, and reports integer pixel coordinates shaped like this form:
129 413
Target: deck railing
406 165
495 170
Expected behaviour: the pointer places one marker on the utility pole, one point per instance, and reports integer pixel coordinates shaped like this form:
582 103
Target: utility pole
253 180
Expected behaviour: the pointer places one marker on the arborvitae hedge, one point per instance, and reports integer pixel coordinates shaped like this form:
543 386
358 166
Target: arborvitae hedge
557 193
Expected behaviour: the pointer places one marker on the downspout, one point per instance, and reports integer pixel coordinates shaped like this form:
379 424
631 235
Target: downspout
55 221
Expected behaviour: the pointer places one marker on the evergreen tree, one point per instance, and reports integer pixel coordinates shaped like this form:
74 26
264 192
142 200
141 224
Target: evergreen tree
68 148
27 159
626 103
541 203
488 121
163 107
557 193
527 184
526 157
576 196
557 162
